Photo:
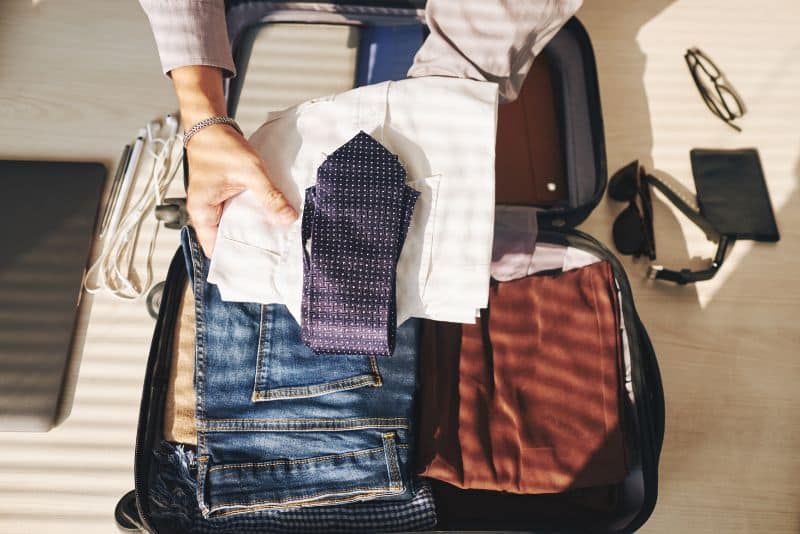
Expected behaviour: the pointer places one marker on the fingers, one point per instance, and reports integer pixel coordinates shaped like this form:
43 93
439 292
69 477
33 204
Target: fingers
278 208
207 235
205 219
221 165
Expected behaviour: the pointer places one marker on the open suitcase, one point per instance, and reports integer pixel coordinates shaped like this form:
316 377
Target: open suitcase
570 64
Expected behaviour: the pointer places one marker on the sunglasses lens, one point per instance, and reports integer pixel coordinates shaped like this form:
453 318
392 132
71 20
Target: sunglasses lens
628 233
622 185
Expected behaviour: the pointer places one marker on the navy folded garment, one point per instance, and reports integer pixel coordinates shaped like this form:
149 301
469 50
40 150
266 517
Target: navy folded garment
354 225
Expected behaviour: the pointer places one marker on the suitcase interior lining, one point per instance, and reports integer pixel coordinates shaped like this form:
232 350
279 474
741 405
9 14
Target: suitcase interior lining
568 70
565 149
281 72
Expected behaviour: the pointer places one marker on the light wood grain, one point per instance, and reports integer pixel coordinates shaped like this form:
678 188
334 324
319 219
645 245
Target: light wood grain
728 348
78 78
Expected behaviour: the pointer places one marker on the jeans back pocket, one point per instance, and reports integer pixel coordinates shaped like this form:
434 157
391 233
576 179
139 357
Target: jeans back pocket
288 369
343 475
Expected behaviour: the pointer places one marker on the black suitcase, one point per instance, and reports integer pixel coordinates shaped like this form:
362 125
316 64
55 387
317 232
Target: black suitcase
573 71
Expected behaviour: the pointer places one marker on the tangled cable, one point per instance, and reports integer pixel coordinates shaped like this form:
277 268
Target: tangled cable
114 269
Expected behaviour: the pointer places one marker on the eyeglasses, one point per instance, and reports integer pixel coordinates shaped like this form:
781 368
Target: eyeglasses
633 227
717 92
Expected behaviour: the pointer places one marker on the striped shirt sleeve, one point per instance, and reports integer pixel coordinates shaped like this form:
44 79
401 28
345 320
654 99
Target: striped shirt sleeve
190 32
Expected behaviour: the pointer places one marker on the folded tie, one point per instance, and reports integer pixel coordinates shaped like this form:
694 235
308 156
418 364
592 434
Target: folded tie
354 224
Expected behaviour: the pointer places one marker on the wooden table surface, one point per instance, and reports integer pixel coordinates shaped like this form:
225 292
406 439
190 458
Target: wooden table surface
77 79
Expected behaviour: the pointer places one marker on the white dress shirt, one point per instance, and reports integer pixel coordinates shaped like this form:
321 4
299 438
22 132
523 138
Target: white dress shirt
443 131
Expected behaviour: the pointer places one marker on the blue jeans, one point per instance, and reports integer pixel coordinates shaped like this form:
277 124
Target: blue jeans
280 426
173 504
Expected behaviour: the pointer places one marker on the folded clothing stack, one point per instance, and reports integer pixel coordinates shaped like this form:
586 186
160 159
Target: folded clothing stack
281 427
443 132
529 399
526 401
531 407
173 501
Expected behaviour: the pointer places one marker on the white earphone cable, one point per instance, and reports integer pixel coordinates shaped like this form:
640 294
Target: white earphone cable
114 270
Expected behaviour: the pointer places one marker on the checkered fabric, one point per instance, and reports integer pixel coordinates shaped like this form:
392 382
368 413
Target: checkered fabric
355 222
375 516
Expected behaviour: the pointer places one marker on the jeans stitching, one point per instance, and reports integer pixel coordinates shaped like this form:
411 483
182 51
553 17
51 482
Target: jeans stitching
200 331
384 419
315 389
259 379
308 429
303 461
389 447
303 499
202 462
378 378
299 500
263 392
316 459
298 425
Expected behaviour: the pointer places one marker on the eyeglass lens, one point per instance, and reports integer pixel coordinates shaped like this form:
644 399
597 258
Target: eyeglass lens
719 96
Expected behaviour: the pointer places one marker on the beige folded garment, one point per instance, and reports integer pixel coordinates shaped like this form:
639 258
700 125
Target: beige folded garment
180 402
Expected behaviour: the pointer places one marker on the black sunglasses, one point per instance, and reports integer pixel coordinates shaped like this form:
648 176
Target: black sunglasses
717 92
633 227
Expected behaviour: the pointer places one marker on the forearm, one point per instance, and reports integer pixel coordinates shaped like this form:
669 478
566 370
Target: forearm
190 32
200 93
192 40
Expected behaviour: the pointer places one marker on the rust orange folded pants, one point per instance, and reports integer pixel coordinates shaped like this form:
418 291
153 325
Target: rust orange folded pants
527 400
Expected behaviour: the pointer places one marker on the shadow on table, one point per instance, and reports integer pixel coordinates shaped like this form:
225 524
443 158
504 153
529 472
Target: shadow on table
693 336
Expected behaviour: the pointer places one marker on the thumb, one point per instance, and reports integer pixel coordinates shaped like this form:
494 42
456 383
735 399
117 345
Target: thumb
278 208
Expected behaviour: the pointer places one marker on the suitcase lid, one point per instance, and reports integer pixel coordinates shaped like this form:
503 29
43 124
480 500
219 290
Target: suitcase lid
570 62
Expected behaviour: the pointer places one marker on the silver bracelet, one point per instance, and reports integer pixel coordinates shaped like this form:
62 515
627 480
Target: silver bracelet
188 134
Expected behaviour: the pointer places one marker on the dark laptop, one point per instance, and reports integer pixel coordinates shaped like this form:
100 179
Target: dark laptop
47 227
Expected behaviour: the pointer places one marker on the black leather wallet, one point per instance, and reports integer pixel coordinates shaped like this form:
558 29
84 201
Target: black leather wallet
732 193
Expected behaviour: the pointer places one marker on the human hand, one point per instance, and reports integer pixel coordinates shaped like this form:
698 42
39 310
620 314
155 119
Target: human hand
221 164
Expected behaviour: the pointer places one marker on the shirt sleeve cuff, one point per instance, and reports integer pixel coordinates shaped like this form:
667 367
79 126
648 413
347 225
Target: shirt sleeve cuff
190 32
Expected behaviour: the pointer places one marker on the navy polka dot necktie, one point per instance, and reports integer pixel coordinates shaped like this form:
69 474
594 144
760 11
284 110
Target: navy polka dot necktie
355 221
